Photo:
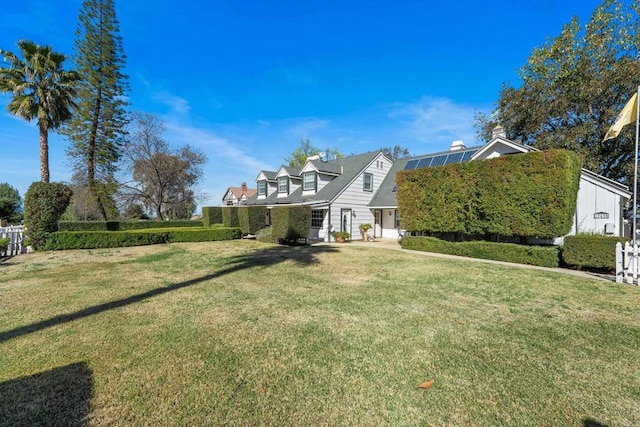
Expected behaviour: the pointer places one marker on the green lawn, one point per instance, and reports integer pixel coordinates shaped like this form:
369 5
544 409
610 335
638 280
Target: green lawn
245 333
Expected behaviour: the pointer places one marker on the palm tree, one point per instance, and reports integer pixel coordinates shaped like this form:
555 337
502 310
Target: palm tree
41 89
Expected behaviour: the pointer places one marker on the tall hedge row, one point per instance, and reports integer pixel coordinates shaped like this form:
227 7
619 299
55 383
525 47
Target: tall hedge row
532 194
44 204
252 218
230 216
211 215
124 225
290 223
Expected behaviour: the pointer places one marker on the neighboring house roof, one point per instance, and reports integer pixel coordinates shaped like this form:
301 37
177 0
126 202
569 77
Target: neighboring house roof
385 197
238 192
348 167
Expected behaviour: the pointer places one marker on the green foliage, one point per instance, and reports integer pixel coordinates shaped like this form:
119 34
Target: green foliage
99 122
211 215
365 227
63 240
266 235
531 194
251 218
124 225
341 235
290 223
299 156
4 245
591 251
230 216
544 256
42 89
10 202
573 87
44 204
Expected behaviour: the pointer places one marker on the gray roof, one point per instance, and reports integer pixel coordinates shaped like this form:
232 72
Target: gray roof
350 166
327 167
271 176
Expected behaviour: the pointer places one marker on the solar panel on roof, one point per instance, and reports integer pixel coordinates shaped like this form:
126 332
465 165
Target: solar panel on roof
424 162
468 155
439 160
454 158
411 164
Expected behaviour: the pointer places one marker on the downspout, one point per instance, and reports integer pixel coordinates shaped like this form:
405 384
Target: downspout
329 225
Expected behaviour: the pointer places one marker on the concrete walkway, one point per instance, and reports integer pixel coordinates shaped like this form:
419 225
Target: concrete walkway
392 244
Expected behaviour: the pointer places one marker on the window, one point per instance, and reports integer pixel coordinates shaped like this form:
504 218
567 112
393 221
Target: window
283 184
368 182
309 181
262 188
397 218
229 202
317 217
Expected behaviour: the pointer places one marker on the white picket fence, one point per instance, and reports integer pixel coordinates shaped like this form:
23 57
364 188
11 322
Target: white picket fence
627 263
16 240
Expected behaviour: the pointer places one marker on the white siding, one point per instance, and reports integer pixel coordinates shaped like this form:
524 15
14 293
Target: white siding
354 198
593 198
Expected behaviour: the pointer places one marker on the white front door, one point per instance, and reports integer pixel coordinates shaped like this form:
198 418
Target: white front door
345 220
377 226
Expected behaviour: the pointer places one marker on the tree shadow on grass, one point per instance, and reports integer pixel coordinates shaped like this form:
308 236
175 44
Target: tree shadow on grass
588 422
59 397
272 255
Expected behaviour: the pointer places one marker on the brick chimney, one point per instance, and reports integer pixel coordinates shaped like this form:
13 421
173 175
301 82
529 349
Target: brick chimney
244 187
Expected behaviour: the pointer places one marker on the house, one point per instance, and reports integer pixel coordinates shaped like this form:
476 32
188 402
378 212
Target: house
338 191
599 209
235 196
344 193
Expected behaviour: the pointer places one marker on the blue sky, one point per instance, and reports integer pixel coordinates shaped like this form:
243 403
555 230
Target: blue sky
244 81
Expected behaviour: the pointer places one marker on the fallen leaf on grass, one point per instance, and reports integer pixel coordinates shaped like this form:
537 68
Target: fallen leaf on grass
426 385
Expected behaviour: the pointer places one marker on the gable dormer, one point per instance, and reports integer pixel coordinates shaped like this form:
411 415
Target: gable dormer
499 146
288 180
316 174
267 184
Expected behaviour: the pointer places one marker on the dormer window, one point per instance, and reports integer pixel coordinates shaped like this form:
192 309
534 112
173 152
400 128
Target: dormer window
283 185
262 188
309 181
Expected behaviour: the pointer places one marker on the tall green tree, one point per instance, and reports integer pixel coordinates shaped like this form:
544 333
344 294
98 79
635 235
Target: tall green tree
10 202
573 87
97 130
299 156
42 89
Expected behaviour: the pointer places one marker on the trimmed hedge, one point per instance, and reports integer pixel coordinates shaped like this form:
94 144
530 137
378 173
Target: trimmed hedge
532 194
124 225
544 256
591 251
290 223
44 204
230 216
252 218
211 215
116 239
4 245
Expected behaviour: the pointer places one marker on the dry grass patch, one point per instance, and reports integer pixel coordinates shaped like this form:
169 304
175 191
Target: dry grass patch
244 333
